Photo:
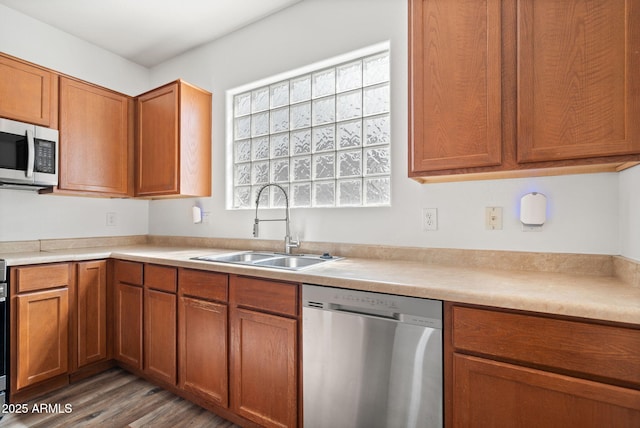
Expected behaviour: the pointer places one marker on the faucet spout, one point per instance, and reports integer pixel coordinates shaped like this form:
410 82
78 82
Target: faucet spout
288 242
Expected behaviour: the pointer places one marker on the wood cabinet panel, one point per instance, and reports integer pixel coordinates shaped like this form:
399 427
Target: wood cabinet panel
203 350
42 336
604 351
265 295
164 278
91 300
173 141
28 93
157 142
160 312
195 141
205 285
521 88
33 278
128 325
128 272
578 80
264 375
455 85
96 139
493 394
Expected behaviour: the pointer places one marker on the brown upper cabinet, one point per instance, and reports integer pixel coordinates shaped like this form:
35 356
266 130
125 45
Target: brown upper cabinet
157 145
96 139
520 88
173 141
28 93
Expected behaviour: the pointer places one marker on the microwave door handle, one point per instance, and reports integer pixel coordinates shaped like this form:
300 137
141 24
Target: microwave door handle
31 155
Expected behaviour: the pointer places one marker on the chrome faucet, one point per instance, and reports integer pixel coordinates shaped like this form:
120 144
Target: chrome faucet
288 242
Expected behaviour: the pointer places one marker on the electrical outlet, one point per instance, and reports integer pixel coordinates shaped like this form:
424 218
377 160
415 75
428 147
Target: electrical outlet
429 219
493 218
112 219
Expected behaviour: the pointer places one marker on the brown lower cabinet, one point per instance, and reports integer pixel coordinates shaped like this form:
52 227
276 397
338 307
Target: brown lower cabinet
505 368
128 314
228 342
58 325
231 344
91 313
202 335
160 318
43 331
264 323
145 319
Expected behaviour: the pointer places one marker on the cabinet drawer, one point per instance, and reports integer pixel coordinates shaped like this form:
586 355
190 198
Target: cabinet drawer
205 285
128 272
34 278
163 278
603 351
271 296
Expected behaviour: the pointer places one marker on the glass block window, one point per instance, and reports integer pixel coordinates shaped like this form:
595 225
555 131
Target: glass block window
323 134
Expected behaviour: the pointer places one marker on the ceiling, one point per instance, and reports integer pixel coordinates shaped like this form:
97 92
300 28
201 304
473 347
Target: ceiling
148 32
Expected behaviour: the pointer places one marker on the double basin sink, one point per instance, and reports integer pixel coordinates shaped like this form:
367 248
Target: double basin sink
269 259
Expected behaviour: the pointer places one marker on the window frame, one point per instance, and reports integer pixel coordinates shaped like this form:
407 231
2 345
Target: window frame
272 199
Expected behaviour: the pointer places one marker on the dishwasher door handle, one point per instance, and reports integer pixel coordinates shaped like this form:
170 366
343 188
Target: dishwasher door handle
374 313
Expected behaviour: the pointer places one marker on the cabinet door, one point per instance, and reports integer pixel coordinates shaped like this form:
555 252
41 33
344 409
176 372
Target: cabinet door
578 79
202 343
28 93
455 84
91 310
42 336
95 142
128 323
160 335
264 369
157 142
492 394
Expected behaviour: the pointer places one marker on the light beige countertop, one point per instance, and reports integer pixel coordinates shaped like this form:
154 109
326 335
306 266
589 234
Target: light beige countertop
600 297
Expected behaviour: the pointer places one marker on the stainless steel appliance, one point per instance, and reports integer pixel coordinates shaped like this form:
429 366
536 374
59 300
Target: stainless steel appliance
4 332
28 155
371 360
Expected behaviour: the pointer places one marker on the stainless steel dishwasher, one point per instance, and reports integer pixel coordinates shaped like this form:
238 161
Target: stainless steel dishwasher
370 359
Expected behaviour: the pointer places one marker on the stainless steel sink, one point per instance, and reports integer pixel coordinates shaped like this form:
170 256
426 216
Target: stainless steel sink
291 262
270 260
244 257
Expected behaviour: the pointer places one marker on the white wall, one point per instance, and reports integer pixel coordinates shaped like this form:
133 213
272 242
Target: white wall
597 213
40 43
583 209
27 215
630 213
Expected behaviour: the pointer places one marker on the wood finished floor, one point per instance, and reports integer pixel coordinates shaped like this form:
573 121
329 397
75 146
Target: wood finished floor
116 399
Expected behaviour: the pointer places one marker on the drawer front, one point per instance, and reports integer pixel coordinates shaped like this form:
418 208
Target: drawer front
205 285
128 272
270 296
600 350
163 278
34 278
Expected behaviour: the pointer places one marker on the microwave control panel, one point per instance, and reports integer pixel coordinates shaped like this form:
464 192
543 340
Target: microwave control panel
45 156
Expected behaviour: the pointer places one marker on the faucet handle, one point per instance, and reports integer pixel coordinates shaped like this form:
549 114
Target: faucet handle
290 243
256 222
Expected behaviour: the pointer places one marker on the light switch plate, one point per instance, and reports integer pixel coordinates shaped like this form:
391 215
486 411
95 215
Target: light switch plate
493 218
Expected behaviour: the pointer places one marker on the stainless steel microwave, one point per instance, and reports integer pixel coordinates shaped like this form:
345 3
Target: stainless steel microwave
28 155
